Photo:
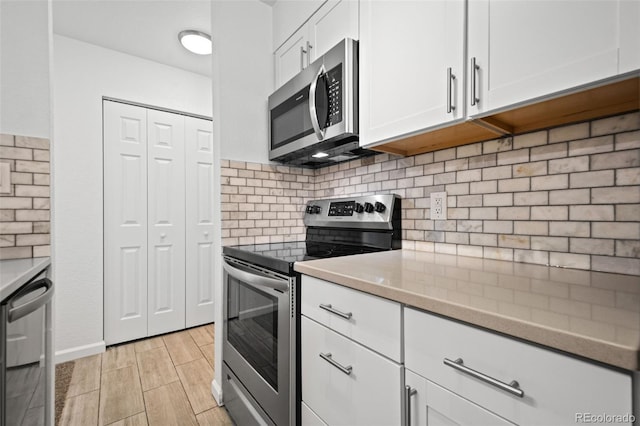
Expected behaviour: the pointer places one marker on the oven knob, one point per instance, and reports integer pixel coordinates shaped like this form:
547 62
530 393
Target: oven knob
368 207
315 210
309 210
380 207
358 208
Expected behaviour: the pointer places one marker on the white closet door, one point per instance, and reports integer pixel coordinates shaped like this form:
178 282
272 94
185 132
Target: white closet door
166 188
125 222
199 216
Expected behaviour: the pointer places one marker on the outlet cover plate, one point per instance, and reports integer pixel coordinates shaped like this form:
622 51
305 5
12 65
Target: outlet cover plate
438 205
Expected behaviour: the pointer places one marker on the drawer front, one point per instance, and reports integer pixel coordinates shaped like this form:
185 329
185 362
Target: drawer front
557 388
309 418
373 321
369 395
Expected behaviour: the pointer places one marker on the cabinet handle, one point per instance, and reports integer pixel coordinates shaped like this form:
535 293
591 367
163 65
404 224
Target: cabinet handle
327 357
408 393
302 52
309 47
512 388
450 78
345 315
474 74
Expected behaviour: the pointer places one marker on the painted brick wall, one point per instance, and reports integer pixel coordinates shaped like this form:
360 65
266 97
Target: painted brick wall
24 211
567 196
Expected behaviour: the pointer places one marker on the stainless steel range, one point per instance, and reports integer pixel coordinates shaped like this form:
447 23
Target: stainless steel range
261 372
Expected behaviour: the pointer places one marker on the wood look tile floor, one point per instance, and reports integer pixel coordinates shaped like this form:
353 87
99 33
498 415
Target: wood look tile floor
163 380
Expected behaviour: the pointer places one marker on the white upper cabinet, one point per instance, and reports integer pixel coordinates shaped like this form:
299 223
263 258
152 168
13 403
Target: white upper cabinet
334 21
525 49
411 67
629 36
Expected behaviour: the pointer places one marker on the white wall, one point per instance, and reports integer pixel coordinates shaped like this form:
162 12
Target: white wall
241 33
242 81
83 74
24 68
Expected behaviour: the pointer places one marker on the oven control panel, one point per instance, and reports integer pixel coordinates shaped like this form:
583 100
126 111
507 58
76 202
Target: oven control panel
364 210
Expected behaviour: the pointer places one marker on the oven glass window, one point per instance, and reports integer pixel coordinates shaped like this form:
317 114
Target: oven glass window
252 328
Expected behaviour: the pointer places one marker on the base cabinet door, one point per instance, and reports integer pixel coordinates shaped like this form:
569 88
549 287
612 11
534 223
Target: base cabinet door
432 405
345 383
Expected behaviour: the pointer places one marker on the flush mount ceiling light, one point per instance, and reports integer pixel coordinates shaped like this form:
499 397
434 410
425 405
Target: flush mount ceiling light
320 155
196 41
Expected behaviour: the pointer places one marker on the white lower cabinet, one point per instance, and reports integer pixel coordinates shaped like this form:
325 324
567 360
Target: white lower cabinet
430 404
350 375
345 383
556 388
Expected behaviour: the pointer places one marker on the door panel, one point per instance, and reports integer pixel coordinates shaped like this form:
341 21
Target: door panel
199 221
166 266
290 58
125 222
334 21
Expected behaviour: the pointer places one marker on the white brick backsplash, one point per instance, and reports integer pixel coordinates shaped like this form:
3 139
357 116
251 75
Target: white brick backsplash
628 140
483 161
469 150
32 166
616 160
7 240
457 189
7 140
483 239
514 241
628 176
591 213
592 179
621 230
628 213
484 187
620 195
469 175
444 155
15 153
530 139
513 213
531 198
497 145
568 165
548 152
531 228
531 256
32 215
500 172
592 246
32 191
15 253
570 229
549 182
31 142
549 213
498 226
18 178
444 178
483 213
8 228
424 158
530 169
497 199
569 196
455 165
514 185
470 201
628 248
33 240
559 244
457 237
568 133
513 157
7 215
469 226
621 265
617 124
591 146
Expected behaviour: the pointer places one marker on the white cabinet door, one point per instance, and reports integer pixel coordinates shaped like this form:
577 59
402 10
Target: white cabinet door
125 222
433 405
291 57
527 49
369 395
334 21
404 78
199 221
629 36
166 240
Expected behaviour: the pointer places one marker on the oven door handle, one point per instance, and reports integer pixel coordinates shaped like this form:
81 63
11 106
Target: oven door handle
254 279
17 312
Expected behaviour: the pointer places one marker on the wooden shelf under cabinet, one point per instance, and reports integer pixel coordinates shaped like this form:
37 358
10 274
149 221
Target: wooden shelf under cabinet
606 100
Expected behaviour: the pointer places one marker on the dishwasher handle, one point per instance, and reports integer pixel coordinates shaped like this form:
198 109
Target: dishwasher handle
17 312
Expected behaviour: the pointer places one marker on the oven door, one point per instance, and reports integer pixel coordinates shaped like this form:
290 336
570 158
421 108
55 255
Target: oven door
257 324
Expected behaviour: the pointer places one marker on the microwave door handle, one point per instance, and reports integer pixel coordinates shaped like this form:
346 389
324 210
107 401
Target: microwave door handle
312 105
255 280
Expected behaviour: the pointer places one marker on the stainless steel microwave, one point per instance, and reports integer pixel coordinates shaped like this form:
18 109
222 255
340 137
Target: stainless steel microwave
314 117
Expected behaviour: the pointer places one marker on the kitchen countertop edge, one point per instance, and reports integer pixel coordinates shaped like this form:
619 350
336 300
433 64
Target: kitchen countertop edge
17 272
627 358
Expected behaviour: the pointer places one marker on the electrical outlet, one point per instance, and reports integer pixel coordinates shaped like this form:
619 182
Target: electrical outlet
439 206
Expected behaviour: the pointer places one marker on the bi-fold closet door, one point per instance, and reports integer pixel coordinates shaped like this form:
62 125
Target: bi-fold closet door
158 207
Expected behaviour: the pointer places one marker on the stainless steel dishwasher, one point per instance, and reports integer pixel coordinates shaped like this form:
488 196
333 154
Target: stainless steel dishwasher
26 364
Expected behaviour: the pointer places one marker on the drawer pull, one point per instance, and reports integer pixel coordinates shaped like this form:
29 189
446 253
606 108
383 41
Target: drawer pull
512 388
345 315
408 393
327 357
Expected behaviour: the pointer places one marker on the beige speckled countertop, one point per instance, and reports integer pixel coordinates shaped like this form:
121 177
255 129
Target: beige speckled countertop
592 314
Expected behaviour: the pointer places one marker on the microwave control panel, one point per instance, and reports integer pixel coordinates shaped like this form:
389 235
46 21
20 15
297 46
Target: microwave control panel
334 87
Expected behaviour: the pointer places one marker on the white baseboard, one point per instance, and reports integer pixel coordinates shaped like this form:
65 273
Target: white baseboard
79 352
216 391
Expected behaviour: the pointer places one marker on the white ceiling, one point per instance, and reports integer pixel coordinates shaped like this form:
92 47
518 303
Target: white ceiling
144 28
